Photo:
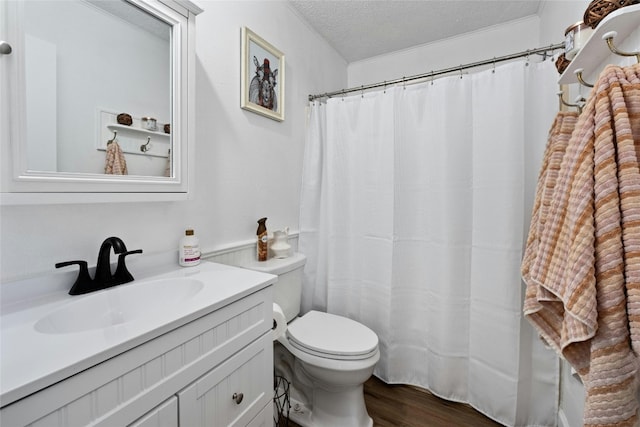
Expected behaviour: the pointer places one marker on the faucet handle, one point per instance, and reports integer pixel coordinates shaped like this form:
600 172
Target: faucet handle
122 275
83 281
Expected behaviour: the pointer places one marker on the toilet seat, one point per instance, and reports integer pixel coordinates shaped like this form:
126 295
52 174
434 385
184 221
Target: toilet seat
333 337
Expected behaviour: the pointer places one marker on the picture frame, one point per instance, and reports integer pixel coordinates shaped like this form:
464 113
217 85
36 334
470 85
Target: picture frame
263 77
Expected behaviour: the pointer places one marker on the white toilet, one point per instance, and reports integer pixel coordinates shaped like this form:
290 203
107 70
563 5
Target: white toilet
326 358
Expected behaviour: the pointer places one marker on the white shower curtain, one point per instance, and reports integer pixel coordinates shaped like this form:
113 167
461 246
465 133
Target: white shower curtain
415 203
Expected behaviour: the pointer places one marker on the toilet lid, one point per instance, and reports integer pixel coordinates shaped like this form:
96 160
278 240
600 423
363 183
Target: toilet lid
328 335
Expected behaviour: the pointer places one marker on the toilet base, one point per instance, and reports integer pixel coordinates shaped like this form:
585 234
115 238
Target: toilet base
302 416
324 392
299 413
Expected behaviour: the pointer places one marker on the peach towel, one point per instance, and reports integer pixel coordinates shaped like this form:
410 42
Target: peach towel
115 162
582 260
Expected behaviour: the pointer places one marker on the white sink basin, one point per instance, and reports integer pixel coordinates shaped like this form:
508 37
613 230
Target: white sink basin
119 305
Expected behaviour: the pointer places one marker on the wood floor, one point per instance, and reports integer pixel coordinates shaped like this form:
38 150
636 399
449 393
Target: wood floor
406 406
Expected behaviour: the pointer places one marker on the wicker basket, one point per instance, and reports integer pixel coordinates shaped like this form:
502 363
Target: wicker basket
124 119
598 9
562 63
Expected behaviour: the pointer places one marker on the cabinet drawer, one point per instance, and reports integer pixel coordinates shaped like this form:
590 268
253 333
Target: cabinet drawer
233 393
121 389
165 415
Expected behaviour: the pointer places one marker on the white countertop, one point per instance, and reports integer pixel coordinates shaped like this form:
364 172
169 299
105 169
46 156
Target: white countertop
31 360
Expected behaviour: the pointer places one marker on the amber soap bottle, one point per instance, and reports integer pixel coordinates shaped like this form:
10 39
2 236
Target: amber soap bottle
263 239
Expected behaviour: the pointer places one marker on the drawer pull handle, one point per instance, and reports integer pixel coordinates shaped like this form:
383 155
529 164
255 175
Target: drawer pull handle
237 397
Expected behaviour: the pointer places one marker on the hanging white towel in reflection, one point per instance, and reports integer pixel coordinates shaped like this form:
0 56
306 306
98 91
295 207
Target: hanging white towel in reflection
115 162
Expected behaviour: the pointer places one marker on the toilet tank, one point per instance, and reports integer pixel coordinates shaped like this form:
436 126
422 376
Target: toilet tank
288 289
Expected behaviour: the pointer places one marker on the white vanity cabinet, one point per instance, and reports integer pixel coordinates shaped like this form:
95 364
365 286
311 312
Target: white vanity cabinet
189 376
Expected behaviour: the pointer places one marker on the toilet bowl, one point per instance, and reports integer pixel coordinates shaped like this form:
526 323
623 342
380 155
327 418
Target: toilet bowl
325 357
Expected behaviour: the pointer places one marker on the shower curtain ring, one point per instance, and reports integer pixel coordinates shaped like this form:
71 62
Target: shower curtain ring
431 77
494 65
460 71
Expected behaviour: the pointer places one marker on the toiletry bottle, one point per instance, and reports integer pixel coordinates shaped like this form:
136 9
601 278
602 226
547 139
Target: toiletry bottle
263 239
189 249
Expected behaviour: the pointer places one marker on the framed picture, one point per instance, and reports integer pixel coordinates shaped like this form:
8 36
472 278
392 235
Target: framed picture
262 86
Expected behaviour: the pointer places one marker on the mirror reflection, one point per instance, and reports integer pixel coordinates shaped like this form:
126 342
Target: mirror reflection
86 63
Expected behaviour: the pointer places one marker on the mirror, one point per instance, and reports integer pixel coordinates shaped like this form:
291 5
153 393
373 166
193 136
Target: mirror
84 74
85 63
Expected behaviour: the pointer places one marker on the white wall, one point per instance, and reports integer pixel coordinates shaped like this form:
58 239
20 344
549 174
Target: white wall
247 166
479 45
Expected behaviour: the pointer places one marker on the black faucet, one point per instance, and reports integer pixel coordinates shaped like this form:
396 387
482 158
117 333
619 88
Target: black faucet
103 278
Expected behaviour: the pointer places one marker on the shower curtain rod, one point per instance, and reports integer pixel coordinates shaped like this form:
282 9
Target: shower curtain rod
431 74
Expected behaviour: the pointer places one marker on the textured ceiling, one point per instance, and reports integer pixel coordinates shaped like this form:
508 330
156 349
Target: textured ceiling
360 29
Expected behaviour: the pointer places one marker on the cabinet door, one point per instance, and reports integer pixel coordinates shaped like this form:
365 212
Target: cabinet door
165 415
235 392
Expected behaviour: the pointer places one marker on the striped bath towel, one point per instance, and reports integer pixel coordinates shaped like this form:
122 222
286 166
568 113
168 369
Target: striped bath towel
115 163
559 135
582 264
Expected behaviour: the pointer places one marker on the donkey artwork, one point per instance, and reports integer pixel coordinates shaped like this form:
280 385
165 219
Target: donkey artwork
262 88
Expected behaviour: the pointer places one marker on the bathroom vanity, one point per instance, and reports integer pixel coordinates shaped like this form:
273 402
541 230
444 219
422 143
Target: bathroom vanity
188 347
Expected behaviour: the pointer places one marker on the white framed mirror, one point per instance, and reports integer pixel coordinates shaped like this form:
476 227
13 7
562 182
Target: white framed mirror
83 74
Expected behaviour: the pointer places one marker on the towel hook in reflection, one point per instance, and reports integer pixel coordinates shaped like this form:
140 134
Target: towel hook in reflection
145 147
608 37
114 137
563 102
580 79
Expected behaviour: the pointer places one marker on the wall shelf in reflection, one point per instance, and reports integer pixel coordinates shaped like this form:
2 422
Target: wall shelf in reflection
131 138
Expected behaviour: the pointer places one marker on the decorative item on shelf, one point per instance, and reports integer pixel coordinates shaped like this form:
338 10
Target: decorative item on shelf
562 63
280 245
148 123
575 38
167 128
598 9
124 119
